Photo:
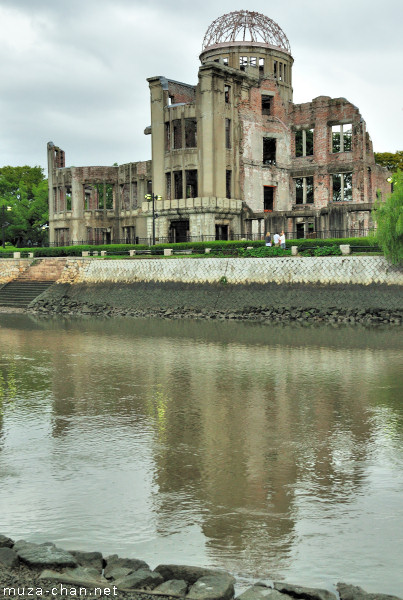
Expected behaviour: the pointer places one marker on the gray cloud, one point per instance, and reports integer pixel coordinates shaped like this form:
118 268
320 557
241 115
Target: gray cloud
75 72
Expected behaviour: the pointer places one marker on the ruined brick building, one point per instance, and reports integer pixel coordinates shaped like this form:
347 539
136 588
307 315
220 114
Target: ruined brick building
232 156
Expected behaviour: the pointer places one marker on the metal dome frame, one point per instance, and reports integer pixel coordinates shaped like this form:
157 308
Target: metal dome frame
260 28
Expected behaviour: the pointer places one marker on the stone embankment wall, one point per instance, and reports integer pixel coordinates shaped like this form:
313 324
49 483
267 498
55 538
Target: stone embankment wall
337 289
11 268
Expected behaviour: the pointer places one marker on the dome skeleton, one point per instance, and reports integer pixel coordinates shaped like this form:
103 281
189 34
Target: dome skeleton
225 29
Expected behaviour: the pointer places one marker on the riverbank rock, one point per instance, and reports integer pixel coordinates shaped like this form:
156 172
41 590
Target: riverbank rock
43 555
117 568
261 592
6 542
139 580
305 593
172 587
212 587
82 576
89 559
353 592
8 557
188 573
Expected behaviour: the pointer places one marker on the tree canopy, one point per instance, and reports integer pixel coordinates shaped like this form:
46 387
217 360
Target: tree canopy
392 160
389 218
24 190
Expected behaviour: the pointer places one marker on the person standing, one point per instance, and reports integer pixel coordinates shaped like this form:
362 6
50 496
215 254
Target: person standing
276 240
268 239
282 240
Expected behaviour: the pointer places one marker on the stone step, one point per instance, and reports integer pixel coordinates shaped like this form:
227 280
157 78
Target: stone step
21 293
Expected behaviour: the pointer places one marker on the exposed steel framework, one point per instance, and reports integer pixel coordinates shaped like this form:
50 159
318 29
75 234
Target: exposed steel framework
245 26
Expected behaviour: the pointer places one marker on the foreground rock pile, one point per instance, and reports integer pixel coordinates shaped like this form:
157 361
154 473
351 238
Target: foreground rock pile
69 307
39 570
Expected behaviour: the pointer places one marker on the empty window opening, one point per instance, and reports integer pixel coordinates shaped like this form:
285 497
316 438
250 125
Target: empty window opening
190 133
191 183
304 142
342 187
266 104
300 230
342 138
179 231
304 190
68 197
170 100
149 186
228 182
168 186
178 191
253 61
261 65
228 133
177 133
275 69
268 198
269 151
280 71
227 93
285 77
221 232
129 234
243 62
225 61
167 136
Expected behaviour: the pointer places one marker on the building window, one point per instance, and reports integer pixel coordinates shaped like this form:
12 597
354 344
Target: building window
177 133
190 133
342 138
266 104
225 61
304 190
228 181
68 198
342 187
275 69
178 191
243 62
253 61
304 142
228 133
134 194
168 186
191 183
280 71
167 136
149 186
285 73
269 151
261 66
227 94
268 198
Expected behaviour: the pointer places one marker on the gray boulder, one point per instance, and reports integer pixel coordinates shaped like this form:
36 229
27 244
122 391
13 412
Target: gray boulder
186 572
6 542
172 587
8 557
89 559
212 587
353 592
130 563
306 593
139 580
44 555
82 576
261 592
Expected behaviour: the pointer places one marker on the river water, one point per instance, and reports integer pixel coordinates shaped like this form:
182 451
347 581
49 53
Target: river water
274 452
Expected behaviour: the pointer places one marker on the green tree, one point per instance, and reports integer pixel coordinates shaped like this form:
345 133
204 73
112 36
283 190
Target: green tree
389 218
25 191
393 161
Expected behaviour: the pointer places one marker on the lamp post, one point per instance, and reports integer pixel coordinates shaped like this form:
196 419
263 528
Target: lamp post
4 223
152 198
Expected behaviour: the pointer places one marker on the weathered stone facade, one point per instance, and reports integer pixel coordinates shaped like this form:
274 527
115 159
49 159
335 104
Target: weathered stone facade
232 157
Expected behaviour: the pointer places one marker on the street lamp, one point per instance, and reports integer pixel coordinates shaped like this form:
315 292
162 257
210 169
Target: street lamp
152 198
4 223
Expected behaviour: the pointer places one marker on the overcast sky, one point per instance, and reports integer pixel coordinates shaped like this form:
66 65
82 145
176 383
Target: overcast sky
74 71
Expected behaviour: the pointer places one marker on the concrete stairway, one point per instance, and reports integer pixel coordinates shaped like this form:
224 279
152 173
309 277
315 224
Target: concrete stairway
37 278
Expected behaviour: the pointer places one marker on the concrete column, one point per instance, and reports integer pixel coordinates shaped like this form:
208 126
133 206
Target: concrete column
157 134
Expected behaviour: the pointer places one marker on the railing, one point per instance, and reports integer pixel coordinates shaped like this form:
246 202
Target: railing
290 235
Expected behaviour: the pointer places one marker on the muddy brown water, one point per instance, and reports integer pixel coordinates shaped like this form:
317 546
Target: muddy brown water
274 452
